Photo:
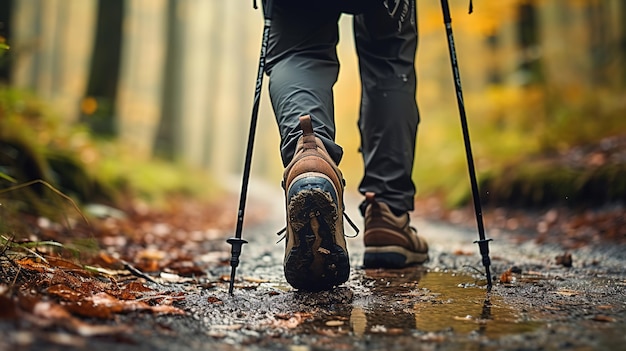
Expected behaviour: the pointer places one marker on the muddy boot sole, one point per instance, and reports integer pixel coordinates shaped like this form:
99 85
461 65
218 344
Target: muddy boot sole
315 262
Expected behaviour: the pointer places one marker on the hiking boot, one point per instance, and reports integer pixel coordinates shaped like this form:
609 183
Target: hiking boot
390 242
316 257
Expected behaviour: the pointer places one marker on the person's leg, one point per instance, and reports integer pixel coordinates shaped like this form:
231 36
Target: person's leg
389 116
303 67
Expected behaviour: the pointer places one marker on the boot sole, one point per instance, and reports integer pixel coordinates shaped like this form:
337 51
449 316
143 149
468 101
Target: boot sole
315 262
392 257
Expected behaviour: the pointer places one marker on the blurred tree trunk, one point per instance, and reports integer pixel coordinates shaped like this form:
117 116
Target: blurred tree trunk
528 28
565 45
50 55
622 41
105 67
194 59
234 93
168 131
141 74
599 24
209 82
6 11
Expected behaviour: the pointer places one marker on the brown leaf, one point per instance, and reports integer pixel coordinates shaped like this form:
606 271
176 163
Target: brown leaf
59 315
507 277
290 321
186 268
50 310
137 287
603 318
334 323
213 299
166 309
564 260
66 265
64 293
32 265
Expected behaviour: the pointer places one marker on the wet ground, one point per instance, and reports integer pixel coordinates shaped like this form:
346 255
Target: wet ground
537 301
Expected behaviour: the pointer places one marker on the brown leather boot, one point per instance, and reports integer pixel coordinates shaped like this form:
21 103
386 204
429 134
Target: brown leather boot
390 241
316 257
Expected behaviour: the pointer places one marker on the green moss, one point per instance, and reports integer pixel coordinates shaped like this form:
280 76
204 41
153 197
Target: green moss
37 144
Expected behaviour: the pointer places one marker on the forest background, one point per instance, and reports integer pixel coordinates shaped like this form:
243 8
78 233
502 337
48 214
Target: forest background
153 95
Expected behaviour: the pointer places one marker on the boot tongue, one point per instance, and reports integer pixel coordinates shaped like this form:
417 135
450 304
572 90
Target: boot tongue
308 138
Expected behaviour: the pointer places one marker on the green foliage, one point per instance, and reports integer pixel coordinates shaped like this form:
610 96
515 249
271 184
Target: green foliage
152 180
3 47
36 145
518 137
7 178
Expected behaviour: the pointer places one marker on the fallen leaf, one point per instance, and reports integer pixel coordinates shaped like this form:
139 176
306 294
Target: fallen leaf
290 321
103 305
213 299
64 293
564 260
165 309
603 318
334 323
50 310
57 314
173 278
186 268
395 331
151 255
461 252
31 265
67 266
507 277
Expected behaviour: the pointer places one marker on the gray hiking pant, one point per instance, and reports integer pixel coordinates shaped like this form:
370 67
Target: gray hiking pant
303 67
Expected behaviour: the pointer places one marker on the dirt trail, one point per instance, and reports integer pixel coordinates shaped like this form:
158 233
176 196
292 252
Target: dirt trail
536 303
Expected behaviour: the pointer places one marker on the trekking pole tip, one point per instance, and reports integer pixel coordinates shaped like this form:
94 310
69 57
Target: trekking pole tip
235 252
483 245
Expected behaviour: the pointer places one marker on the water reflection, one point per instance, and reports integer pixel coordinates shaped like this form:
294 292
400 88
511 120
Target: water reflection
387 309
407 301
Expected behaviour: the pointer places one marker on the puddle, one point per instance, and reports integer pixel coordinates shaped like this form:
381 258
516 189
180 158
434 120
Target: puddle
405 302
458 304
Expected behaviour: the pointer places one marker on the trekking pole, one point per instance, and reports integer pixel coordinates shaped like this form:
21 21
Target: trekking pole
483 243
237 242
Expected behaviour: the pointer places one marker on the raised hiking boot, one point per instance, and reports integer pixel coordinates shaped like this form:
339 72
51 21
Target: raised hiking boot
390 241
316 257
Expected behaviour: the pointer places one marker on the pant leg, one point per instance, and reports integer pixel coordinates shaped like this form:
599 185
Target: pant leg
389 116
302 66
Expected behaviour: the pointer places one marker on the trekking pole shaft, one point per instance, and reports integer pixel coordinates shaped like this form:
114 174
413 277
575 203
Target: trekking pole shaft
237 242
482 242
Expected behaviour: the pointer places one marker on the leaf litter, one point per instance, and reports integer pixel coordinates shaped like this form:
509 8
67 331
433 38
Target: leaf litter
51 285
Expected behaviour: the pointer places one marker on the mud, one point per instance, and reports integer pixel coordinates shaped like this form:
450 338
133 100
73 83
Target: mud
536 302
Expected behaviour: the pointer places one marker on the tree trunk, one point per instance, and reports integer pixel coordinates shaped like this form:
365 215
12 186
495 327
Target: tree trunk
105 68
51 55
6 10
141 74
